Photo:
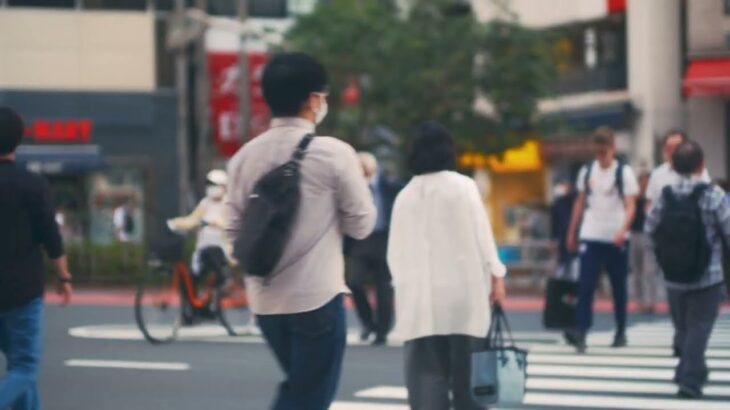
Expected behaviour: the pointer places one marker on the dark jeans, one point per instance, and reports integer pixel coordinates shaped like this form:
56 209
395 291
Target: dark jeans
693 315
375 268
20 342
309 347
593 257
438 372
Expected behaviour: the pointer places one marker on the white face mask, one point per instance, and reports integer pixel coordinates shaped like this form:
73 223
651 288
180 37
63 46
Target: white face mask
215 192
322 111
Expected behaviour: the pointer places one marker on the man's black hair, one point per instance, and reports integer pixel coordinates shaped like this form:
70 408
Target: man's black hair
674 131
688 158
11 130
432 149
288 81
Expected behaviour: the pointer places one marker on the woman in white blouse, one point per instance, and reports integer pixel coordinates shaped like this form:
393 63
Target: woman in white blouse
445 269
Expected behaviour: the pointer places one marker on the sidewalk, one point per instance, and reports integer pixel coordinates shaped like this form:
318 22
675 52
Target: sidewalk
125 297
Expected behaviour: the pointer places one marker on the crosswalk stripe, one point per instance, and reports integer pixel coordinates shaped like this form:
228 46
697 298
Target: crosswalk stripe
605 372
384 392
123 364
611 386
354 405
624 351
617 360
617 402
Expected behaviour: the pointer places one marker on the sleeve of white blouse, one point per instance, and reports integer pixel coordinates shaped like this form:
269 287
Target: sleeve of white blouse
396 240
484 235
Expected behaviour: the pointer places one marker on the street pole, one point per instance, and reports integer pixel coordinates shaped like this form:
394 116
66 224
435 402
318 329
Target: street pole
244 88
183 135
202 119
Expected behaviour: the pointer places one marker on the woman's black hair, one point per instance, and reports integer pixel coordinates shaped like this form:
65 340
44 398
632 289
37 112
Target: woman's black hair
432 149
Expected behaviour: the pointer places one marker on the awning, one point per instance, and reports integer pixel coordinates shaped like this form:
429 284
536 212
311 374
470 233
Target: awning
55 159
707 77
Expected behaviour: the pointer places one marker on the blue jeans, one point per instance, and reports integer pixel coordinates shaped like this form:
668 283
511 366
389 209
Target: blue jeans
20 342
309 347
593 257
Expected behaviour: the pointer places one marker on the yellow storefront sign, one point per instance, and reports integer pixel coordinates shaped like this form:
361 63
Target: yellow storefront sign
525 158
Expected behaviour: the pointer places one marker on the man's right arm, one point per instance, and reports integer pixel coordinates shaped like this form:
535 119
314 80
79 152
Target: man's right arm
354 200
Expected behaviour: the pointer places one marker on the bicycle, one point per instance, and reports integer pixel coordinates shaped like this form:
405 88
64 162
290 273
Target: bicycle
169 297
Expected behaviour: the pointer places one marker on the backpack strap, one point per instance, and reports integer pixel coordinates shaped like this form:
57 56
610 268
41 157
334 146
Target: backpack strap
698 191
587 179
302 147
620 178
668 194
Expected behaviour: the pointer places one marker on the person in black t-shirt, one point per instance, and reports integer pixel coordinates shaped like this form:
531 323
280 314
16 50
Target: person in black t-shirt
27 227
645 280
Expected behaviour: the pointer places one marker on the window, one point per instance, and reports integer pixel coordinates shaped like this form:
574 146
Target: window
228 8
165 59
164 5
267 8
59 4
115 4
727 7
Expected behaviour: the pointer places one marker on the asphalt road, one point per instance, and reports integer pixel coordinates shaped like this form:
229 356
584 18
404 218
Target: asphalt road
223 374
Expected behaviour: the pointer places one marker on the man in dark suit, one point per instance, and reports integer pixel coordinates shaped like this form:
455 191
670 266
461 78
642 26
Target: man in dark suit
367 258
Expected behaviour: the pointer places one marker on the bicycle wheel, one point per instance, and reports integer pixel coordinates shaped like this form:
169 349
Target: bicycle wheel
158 306
233 309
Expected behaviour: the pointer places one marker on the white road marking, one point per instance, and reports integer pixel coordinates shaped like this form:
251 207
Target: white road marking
605 372
617 402
624 351
354 405
384 392
121 364
612 386
618 360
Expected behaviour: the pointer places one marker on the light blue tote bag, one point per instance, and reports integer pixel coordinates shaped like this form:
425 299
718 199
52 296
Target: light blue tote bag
499 372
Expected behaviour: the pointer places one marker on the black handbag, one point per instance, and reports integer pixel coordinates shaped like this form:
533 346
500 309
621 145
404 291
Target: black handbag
561 300
269 216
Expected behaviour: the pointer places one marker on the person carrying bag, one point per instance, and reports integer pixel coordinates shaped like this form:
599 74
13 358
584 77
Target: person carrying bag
499 372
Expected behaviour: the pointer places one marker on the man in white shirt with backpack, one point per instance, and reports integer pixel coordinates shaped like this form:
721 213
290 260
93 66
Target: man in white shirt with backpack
606 202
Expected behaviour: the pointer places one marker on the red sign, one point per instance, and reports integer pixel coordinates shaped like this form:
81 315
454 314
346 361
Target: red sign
59 131
224 79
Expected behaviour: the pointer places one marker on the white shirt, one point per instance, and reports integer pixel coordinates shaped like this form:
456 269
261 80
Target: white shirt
442 255
664 176
119 217
335 200
605 212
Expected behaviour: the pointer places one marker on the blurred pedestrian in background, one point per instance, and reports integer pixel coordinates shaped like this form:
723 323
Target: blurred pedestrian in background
445 268
688 223
123 220
28 222
561 210
607 190
641 258
299 307
664 175
367 258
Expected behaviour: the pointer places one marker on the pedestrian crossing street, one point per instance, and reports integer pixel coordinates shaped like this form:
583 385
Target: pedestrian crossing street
635 377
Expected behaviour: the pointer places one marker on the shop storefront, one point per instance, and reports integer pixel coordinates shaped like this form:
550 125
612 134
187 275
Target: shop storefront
101 151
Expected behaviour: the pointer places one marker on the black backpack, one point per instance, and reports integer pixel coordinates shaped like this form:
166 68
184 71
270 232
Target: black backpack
619 179
269 216
681 245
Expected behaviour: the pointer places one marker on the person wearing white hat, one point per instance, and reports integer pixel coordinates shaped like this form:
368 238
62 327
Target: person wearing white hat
209 219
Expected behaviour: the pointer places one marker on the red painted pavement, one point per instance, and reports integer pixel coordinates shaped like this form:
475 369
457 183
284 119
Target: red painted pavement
125 297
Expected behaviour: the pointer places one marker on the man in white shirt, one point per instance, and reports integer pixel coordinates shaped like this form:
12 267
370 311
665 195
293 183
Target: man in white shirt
664 175
606 203
299 306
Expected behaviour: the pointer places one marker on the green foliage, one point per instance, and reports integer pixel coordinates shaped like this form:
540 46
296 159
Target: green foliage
117 263
429 64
